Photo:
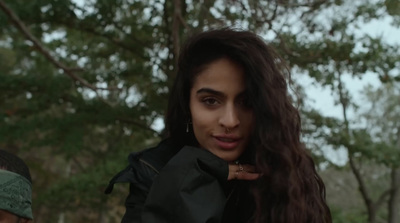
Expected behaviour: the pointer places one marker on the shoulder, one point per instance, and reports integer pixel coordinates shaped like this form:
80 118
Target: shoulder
156 157
192 159
145 165
192 177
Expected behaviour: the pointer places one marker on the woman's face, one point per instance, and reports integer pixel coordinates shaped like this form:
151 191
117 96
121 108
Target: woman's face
221 117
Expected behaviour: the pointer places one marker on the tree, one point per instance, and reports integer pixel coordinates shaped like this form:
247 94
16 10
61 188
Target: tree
84 82
327 60
385 133
58 98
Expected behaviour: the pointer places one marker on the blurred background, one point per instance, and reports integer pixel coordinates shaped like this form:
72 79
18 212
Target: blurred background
85 82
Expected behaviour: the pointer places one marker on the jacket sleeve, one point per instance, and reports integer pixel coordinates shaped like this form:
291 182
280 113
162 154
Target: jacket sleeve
188 189
140 177
138 191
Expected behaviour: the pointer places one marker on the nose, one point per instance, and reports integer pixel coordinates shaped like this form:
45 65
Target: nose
229 117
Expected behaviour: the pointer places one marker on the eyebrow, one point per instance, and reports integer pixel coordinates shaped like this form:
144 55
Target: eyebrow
210 91
217 93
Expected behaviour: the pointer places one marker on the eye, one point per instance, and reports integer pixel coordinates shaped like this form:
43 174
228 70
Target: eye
210 101
244 102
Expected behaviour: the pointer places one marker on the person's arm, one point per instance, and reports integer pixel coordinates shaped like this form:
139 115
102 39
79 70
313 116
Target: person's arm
140 176
188 189
138 190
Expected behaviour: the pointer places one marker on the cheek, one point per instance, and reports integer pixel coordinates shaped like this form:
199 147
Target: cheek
201 121
200 129
197 114
248 121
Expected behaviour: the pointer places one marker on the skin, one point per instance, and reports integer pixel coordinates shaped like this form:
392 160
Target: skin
7 217
221 118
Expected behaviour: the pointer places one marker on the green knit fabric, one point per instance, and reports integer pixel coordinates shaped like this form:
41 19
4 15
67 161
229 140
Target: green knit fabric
15 194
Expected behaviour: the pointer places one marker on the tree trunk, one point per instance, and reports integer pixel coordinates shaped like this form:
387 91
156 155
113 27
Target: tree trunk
369 204
103 214
176 22
394 199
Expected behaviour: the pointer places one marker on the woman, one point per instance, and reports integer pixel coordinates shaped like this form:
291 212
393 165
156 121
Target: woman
233 153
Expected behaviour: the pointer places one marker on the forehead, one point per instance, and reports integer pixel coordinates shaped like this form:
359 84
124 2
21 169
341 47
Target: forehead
222 75
7 217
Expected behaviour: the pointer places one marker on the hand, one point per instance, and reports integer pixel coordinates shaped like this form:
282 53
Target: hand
242 172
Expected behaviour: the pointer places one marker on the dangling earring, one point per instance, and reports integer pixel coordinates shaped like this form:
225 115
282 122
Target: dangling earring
187 125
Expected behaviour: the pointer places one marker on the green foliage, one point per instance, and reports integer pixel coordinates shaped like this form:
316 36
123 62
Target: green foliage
7 60
76 138
351 216
393 7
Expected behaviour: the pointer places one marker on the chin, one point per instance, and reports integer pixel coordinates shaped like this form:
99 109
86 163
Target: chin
228 157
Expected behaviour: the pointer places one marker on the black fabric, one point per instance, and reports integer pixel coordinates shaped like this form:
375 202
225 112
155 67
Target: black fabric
160 155
188 189
240 206
144 165
169 184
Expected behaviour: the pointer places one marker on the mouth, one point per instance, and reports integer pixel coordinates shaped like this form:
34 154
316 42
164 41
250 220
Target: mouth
226 139
227 142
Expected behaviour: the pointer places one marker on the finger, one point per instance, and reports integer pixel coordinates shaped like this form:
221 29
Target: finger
233 167
242 167
242 175
247 176
249 168
232 175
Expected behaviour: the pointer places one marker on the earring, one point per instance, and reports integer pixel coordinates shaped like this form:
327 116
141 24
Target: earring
187 125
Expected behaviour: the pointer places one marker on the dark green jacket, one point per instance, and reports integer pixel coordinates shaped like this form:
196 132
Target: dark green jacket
181 186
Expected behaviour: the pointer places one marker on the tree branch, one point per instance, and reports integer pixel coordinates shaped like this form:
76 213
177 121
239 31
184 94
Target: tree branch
67 70
393 204
141 125
312 5
177 16
361 184
382 198
284 47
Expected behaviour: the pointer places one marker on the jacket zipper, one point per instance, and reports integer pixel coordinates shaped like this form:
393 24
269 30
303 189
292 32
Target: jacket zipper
149 165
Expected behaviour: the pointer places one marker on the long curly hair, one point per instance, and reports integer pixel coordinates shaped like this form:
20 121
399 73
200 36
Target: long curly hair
289 189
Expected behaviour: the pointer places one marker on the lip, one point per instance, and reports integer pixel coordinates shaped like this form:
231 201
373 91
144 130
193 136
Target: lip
233 141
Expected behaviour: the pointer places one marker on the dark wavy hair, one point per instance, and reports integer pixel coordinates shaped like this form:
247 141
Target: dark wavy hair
289 189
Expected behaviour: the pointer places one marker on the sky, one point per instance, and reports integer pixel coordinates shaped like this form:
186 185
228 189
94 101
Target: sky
322 99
